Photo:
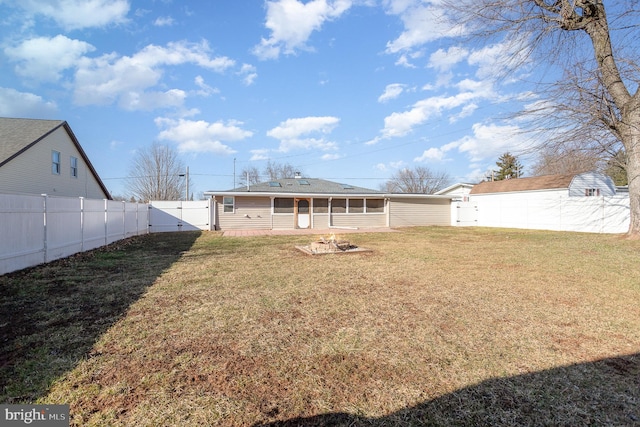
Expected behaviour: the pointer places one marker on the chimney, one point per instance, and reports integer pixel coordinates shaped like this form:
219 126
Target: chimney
297 175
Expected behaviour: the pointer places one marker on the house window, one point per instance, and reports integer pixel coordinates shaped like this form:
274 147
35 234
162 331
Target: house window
55 162
74 167
356 206
375 205
281 205
228 204
320 205
338 206
591 192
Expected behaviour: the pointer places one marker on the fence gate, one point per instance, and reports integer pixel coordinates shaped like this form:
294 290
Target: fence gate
180 216
466 213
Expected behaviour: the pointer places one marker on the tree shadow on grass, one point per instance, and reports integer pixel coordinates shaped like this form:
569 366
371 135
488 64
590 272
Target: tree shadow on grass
51 315
600 393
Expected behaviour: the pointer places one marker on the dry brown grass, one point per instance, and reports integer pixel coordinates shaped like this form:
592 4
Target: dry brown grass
436 326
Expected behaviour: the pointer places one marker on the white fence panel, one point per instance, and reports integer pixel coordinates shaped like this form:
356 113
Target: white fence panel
553 211
177 215
93 228
37 229
64 227
21 232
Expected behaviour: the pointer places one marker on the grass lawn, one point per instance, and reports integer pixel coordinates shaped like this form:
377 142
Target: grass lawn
435 326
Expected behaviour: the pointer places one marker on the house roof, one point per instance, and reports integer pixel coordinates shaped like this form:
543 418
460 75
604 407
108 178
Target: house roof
547 182
454 187
18 135
302 185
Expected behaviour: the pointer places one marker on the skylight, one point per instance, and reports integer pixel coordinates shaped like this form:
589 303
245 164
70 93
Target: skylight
347 186
274 184
303 182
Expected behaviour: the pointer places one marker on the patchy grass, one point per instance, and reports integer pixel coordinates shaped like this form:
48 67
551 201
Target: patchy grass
436 326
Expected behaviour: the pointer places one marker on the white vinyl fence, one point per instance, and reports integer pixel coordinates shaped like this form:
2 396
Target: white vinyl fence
547 211
191 215
38 229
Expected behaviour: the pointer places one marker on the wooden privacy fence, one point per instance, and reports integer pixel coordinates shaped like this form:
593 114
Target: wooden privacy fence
38 229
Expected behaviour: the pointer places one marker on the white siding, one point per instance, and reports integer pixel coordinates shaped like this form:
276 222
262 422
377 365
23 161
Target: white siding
30 172
587 180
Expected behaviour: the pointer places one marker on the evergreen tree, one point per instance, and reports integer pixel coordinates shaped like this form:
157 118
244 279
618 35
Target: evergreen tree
508 167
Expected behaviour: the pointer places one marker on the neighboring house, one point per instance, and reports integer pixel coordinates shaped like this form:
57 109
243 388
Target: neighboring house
44 157
459 192
582 202
317 203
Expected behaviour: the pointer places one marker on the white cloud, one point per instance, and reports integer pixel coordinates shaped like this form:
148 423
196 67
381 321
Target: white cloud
423 23
78 14
205 89
432 154
392 91
201 136
490 141
291 23
44 58
249 74
24 104
400 124
259 154
110 78
498 60
163 21
444 60
294 133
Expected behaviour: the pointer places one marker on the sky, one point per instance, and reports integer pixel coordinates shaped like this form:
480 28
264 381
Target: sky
346 90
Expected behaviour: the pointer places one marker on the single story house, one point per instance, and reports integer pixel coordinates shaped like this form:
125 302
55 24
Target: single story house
587 202
45 157
316 203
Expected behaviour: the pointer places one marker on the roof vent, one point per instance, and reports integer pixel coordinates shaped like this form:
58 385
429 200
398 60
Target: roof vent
297 175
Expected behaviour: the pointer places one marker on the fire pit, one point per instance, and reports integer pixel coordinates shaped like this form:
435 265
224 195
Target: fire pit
330 246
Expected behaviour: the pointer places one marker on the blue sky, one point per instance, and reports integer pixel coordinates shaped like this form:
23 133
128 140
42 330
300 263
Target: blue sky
345 90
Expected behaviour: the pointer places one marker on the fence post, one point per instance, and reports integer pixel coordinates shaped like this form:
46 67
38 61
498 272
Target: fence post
106 221
81 224
44 237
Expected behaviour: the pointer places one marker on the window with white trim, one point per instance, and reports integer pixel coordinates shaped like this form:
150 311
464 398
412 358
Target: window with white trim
55 162
591 192
228 204
74 167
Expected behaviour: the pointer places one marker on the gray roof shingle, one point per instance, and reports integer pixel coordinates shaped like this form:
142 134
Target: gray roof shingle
304 185
17 135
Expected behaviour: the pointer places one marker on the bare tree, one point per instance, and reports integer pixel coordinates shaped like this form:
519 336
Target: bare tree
157 173
249 176
419 180
565 160
279 170
597 100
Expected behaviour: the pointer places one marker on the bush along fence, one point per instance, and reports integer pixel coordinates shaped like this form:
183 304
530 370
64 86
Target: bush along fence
38 229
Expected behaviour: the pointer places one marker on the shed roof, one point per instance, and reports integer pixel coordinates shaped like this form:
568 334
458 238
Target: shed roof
546 182
18 135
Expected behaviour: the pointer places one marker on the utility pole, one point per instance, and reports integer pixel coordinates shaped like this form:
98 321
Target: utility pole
186 177
234 173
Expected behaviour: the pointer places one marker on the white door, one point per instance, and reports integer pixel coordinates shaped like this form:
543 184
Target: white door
303 213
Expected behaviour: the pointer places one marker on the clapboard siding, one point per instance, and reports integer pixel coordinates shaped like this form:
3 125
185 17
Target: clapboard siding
250 213
371 220
30 172
410 212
